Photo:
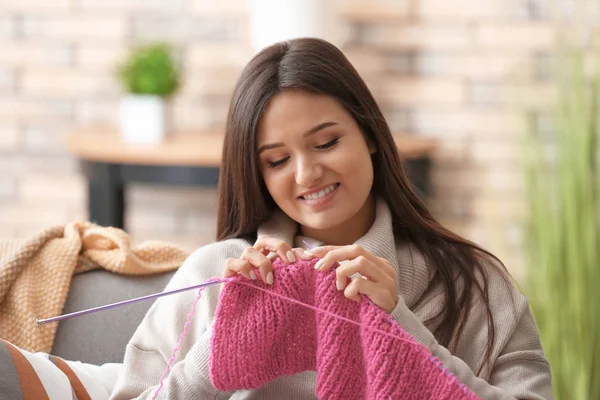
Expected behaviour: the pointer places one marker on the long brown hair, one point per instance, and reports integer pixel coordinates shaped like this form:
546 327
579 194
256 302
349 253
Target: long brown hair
317 66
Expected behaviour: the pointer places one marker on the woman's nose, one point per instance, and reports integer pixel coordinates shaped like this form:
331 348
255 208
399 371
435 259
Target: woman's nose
307 171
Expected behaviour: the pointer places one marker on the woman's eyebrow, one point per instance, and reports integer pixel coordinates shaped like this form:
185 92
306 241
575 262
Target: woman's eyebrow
311 131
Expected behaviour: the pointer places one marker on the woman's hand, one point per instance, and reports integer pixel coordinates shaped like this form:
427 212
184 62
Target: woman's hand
379 276
259 257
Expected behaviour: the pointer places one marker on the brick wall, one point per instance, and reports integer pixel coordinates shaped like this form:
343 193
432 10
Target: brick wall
457 72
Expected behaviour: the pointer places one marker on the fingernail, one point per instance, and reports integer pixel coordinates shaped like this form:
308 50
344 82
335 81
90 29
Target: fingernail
270 278
308 253
271 255
319 264
290 256
338 285
317 250
252 275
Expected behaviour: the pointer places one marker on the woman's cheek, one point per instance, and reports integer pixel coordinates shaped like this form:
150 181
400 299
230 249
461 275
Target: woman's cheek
279 184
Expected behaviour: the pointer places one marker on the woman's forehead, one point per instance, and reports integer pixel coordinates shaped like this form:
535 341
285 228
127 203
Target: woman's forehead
296 112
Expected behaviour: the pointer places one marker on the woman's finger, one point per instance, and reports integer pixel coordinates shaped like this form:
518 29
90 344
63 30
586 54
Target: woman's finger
388 268
363 266
332 255
378 295
302 254
234 266
268 244
260 261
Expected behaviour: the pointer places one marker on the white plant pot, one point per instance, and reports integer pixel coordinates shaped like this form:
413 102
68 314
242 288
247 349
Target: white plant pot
272 21
142 119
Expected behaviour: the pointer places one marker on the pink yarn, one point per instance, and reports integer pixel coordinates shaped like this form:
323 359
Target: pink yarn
181 337
301 324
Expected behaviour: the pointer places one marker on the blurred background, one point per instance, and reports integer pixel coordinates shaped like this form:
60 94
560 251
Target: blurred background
474 83
438 70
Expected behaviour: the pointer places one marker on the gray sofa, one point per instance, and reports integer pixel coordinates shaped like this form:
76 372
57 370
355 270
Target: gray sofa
101 337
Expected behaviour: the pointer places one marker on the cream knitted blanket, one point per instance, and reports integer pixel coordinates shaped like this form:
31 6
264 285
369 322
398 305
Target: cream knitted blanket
35 274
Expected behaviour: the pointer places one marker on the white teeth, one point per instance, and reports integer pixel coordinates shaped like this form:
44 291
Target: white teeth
316 196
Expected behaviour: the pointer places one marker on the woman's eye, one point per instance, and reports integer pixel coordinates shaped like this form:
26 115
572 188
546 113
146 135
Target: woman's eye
275 164
329 144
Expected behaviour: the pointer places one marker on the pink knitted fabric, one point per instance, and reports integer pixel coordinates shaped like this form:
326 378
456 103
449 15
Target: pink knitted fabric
259 336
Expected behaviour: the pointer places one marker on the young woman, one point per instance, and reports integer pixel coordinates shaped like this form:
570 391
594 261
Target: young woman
308 157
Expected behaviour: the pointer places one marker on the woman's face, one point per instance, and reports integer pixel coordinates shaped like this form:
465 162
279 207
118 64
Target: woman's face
316 164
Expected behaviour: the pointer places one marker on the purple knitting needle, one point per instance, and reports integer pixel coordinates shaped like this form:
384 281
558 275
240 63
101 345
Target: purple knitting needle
307 245
42 321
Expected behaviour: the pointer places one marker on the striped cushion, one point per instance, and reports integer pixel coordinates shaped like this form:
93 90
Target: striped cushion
40 376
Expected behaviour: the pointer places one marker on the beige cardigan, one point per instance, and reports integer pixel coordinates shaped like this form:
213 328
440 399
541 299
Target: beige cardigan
519 369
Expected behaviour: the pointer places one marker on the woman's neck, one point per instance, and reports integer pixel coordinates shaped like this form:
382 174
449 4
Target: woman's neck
348 232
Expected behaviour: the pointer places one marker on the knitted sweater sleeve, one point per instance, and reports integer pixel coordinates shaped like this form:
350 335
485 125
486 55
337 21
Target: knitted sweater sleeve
520 371
151 346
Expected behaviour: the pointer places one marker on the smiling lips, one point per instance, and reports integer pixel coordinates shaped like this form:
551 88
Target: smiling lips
321 193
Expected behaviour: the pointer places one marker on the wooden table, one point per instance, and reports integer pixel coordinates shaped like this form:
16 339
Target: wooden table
189 159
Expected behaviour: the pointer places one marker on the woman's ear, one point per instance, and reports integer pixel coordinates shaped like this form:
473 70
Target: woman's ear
371 146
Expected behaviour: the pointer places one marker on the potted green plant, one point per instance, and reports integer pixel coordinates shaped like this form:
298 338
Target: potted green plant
563 191
150 76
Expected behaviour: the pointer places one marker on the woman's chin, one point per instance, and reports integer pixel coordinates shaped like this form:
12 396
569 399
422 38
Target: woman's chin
320 223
